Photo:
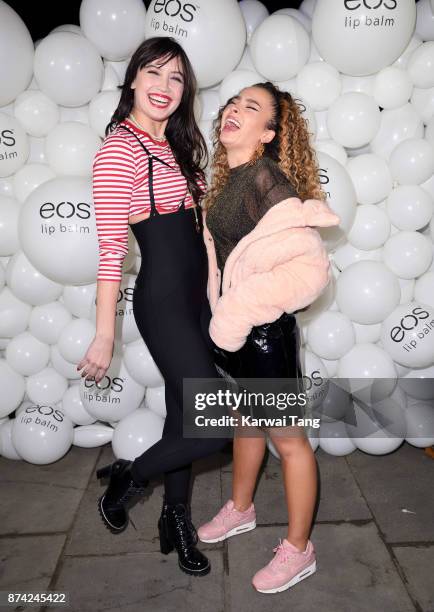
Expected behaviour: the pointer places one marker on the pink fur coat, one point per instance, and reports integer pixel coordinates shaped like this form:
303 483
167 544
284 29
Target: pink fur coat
280 266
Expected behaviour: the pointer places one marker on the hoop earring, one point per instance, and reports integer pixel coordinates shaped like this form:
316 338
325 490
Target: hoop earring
259 152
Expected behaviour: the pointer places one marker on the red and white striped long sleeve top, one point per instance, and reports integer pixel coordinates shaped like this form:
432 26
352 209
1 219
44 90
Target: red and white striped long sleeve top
120 190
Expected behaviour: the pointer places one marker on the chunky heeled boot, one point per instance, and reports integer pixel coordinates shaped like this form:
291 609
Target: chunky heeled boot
177 531
120 490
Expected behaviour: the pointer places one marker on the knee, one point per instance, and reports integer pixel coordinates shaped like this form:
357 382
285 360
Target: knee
290 446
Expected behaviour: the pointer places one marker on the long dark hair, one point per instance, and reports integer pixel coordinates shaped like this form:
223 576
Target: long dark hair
185 138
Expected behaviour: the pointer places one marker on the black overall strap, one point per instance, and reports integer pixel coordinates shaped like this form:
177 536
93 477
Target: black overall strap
151 158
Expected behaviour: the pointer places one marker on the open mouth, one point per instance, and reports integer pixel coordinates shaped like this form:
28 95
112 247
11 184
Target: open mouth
159 101
231 125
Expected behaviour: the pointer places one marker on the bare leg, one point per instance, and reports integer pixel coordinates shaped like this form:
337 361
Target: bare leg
300 481
248 454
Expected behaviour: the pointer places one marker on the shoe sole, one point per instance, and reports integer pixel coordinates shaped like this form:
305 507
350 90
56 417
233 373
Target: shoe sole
308 571
105 520
235 531
198 573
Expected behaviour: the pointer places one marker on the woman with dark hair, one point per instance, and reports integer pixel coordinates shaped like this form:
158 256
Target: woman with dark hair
148 174
262 241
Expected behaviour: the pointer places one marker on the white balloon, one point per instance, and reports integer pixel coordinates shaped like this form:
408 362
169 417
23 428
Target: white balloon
61 365
322 132
367 292
47 322
14 314
396 125
353 119
334 440
75 338
423 102
217 27
424 288
371 178
28 284
136 433
79 299
407 254
359 84
362 38
36 112
254 13
415 41
57 226
367 333
319 84
29 177
279 47
412 161
78 114
407 334
13 387
9 214
333 149
307 7
91 436
392 87
371 227
68 68
341 198
347 254
115 27
16 51
139 363
101 109
155 400
320 305
305 21
15 145
315 378
419 383
234 82
26 354
7 448
420 65
407 289
111 79
210 104
331 335
409 207
115 396
420 423
73 407
42 434
46 387
71 148
37 151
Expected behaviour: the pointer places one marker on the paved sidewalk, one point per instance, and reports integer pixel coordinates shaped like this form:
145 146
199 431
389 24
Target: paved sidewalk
371 556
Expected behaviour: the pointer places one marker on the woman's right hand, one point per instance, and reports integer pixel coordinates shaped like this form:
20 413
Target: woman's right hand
97 359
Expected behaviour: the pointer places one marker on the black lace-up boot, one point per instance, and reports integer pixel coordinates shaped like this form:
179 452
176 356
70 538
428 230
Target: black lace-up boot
177 531
121 489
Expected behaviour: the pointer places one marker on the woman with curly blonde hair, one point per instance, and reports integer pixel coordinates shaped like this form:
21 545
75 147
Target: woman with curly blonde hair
260 215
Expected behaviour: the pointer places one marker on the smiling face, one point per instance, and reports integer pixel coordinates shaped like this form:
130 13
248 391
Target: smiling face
245 120
158 88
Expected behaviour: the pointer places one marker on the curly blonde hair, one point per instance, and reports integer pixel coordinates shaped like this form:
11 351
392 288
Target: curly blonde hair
290 148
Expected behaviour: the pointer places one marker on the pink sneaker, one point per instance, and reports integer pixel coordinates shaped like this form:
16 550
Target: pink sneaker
227 522
288 566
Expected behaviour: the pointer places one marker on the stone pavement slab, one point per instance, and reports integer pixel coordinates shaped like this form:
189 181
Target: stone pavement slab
417 563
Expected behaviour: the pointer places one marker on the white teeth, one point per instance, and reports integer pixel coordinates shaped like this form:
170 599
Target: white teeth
158 100
234 122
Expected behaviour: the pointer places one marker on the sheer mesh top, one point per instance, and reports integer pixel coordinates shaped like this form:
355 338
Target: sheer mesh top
249 192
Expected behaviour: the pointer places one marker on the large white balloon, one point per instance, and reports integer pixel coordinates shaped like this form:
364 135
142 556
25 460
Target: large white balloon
57 227
13 386
420 65
237 80
361 37
26 354
315 378
423 102
371 227
396 125
47 322
101 109
116 27
91 436
212 33
353 119
367 292
420 423
412 161
155 400
319 84
135 433
9 214
14 145
141 366
16 51
68 68
78 299
408 254
71 148
75 339
424 288
7 448
28 284
409 207
254 13
73 407
42 434
29 177
279 47
115 396
46 387
331 335
392 87
36 112
371 178
419 383
407 334
14 314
